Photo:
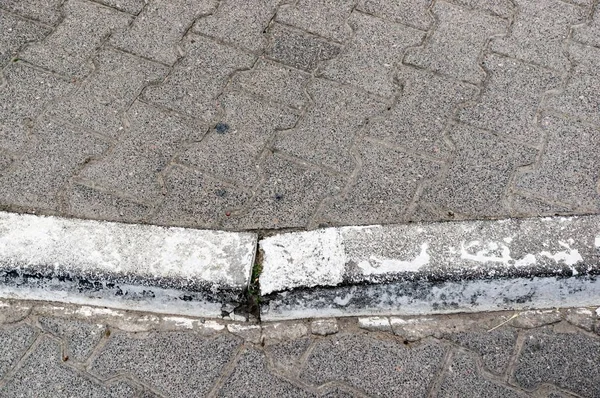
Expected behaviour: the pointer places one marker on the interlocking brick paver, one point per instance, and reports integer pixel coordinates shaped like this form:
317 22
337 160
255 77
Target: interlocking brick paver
142 151
156 31
244 378
46 11
287 354
494 347
44 364
176 360
326 18
14 342
510 99
368 364
274 81
371 56
241 24
326 132
581 95
590 33
197 81
25 93
46 164
103 97
231 150
197 200
299 49
15 33
567 360
80 337
86 202
457 42
569 169
288 196
68 48
130 6
386 184
489 163
418 119
503 8
409 12
463 371
538 32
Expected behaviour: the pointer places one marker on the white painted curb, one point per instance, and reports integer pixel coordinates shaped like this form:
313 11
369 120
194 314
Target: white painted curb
432 268
138 267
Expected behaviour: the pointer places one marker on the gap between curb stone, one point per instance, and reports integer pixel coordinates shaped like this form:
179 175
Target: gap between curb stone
413 269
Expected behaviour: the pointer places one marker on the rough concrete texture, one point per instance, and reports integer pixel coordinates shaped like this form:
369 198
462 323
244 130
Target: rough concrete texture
131 266
90 351
429 268
273 114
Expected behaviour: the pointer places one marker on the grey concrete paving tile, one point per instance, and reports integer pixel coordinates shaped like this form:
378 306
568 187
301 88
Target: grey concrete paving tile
494 348
510 99
457 42
416 121
299 49
196 200
44 375
326 18
157 30
581 95
388 368
90 203
15 340
385 186
531 206
129 6
478 177
80 337
68 48
326 132
590 33
275 82
231 149
369 59
143 150
197 81
99 103
15 33
567 360
25 93
288 196
569 169
6 160
503 8
538 32
463 379
46 11
46 165
182 365
251 378
287 354
241 24
409 12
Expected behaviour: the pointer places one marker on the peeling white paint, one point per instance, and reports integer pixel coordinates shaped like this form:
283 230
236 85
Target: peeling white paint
180 321
597 242
568 257
378 266
485 255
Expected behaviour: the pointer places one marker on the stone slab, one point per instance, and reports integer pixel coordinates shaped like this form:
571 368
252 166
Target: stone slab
137 267
432 268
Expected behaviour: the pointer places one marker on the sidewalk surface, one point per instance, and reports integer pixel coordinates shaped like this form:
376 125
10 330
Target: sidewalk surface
263 115
268 114
65 351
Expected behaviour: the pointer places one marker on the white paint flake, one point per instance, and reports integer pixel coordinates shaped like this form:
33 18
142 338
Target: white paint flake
378 266
568 257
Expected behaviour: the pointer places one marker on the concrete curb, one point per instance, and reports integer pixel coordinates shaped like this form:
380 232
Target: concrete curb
413 269
421 269
136 267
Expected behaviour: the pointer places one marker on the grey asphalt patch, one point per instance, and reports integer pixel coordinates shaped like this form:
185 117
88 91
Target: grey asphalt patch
432 268
168 270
